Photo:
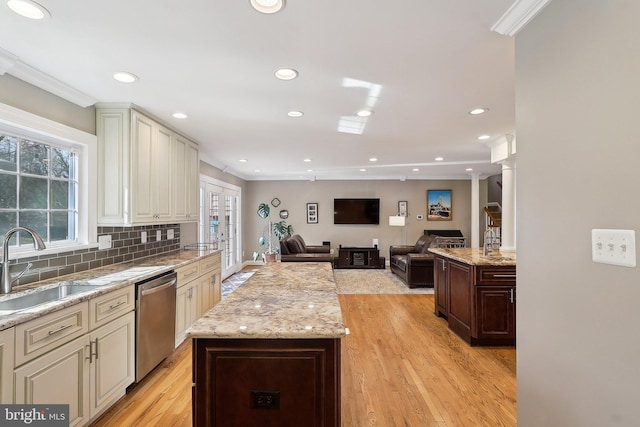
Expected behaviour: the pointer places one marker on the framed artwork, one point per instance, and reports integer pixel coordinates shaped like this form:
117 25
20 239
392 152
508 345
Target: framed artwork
402 208
439 205
312 213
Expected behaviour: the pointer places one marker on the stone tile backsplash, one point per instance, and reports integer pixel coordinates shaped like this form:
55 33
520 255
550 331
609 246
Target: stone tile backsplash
126 245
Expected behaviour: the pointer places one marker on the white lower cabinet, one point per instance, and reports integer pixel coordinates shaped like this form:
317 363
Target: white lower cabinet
112 352
186 308
7 344
88 372
58 377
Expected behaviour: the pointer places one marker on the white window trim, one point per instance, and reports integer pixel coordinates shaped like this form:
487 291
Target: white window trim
23 124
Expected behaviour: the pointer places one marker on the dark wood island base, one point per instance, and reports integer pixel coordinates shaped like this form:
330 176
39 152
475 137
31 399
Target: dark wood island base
266 382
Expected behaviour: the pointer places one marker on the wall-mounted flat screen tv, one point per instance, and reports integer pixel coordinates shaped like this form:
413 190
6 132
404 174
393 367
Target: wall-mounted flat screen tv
356 211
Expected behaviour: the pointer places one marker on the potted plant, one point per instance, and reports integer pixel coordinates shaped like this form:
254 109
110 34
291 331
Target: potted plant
281 230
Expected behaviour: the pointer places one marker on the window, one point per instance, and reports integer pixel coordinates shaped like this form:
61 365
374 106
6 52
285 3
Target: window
38 190
48 181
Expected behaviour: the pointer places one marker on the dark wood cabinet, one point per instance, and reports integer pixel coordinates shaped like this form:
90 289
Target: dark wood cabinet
478 301
359 257
263 382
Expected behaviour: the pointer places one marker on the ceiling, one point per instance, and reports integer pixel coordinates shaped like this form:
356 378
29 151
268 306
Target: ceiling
420 65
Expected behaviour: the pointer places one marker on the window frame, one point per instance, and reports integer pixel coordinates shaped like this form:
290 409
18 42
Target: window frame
22 124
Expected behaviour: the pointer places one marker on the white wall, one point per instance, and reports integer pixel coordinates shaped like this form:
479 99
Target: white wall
577 105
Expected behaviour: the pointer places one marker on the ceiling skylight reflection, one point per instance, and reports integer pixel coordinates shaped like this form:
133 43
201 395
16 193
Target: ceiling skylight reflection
357 123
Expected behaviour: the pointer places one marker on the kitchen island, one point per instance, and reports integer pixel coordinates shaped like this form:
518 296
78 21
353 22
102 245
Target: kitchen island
269 354
476 293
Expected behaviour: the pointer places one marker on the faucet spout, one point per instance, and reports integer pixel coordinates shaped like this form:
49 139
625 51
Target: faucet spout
7 279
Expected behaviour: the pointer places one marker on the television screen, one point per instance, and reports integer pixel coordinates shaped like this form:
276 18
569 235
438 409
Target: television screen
356 211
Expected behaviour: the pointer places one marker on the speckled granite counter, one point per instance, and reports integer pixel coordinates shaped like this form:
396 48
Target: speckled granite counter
282 300
475 257
105 279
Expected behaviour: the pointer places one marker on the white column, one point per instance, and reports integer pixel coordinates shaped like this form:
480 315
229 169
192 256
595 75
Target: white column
475 210
508 205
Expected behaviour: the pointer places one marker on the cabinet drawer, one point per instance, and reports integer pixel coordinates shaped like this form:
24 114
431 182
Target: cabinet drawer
493 275
188 273
39 336
110 306
209 263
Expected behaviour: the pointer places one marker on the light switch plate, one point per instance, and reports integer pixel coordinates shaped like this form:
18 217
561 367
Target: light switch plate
158 235
616 247
170 235
104 242
143 237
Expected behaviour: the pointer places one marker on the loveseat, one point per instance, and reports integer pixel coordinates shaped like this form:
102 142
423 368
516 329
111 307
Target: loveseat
294 249
413 263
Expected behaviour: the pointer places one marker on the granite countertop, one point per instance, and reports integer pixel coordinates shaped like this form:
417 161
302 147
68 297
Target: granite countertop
473 256
281 300
105 279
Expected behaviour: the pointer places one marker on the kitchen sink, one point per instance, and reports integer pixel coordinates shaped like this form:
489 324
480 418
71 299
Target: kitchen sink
44 296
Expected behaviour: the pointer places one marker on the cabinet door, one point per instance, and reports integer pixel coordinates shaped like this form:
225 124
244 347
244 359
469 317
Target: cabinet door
142 129
59 377
495 313
210 292
460 298
162 173
182 313
193 182
180 179
440 284
7 338
112 361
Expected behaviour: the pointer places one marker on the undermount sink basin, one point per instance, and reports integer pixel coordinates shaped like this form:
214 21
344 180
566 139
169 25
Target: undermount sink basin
44 296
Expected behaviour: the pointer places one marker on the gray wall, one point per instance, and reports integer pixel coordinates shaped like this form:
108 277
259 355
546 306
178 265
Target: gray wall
295 195
577 97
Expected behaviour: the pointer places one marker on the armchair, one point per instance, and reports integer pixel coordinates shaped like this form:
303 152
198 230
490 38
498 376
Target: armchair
294 249
413 263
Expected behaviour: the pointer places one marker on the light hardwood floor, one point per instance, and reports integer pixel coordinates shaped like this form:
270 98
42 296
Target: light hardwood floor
401 366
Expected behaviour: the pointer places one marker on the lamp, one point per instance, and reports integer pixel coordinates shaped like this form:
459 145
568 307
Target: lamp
398 221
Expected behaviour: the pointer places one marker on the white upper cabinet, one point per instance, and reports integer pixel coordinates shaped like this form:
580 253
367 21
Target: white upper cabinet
146 172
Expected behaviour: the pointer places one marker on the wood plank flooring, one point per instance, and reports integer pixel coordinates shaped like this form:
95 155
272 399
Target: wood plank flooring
401 366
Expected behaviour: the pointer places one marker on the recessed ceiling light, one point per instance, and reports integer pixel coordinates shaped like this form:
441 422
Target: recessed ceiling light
469 169
416 170
439 159
125 77
178 115
243 160
364 113
309 170
28 9
373 159
483 137
286 74
257 170
363 170
295 114
267 6
477 111
307 160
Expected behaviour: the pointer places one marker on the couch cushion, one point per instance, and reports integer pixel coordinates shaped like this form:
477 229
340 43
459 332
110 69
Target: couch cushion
424 243
284 249
399 261
296 245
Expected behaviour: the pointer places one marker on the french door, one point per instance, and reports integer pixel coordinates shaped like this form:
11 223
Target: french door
220 221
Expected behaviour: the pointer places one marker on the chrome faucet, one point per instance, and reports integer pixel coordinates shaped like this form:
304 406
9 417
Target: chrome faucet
7 279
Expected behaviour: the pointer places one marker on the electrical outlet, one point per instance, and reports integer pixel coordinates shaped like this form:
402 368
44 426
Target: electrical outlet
143 237
617 247
170 235
104 242
375 242
158 235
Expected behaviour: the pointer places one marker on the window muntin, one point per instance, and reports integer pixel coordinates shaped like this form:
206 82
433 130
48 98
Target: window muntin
39 190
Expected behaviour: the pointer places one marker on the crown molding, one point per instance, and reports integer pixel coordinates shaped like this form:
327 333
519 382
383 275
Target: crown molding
11 64
518 15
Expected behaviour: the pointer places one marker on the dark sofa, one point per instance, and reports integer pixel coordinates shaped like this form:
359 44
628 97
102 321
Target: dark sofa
414 263
294 249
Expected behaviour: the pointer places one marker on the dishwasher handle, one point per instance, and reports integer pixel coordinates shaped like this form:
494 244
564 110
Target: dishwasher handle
158 288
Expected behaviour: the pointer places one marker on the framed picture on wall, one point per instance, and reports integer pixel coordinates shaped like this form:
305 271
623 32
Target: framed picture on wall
402 208
439 206
312 213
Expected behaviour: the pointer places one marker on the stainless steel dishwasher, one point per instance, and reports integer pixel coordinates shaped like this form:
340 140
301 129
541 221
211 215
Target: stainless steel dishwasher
155 321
